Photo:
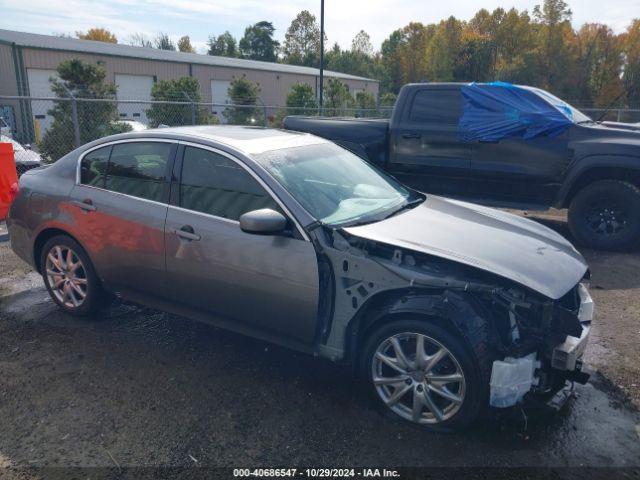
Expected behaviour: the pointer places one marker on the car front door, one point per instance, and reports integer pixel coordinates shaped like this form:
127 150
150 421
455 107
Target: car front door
119 207
426 152
268 282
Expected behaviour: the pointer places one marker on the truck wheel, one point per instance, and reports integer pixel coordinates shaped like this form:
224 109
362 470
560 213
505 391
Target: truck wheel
70 277
420 373
606 215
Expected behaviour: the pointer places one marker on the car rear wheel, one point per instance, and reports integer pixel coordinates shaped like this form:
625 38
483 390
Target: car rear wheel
70 277
606 215
420 373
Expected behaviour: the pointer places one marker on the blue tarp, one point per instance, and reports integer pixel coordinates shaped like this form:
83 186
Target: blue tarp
493 111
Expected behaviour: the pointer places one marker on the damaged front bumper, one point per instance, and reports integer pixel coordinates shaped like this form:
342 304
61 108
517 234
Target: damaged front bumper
513 378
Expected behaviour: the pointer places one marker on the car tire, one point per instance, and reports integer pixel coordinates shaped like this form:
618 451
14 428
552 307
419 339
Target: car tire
606 215
70 277
467 398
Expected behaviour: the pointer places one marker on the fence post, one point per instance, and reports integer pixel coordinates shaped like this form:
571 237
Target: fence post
619 115
74 117
193 108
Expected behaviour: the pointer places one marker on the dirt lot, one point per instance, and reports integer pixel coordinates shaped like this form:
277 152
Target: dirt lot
137 387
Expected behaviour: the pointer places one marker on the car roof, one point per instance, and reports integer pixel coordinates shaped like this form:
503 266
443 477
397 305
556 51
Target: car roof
250 140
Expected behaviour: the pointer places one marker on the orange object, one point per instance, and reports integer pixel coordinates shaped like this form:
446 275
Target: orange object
8 178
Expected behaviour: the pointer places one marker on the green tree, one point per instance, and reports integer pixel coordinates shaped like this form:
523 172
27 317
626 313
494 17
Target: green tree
388 99
631 77
163 42
301 100
258 42
412 51
391 69
96 119
243 94
337 98
98 34
184 89
224 45
302 41
184 45
361 43
365 102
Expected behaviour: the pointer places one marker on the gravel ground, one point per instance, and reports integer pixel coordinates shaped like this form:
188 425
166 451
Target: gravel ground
136 387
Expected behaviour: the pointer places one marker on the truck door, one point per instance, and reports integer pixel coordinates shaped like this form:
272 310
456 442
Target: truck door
517 171
425 152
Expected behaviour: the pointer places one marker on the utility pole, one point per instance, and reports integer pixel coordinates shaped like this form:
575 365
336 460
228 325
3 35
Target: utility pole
321 55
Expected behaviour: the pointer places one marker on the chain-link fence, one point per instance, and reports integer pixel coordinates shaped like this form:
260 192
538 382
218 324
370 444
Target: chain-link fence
51 127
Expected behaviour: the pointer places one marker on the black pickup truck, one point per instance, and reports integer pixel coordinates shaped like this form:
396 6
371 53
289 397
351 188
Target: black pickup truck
438 141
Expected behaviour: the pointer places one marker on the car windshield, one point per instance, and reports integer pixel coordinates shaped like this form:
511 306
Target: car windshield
570 111
334 185
16 146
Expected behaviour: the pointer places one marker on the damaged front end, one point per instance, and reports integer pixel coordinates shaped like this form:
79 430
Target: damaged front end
528 342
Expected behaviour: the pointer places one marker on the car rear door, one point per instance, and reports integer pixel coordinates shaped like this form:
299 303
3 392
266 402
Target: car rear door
426 152
119 207
266 282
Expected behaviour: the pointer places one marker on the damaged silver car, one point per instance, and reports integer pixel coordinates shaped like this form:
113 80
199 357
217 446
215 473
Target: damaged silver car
444 308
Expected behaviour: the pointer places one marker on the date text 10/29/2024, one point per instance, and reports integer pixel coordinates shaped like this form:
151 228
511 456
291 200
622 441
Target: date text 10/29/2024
316 472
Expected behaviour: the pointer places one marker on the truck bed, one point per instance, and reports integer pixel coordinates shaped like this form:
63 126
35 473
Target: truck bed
366 137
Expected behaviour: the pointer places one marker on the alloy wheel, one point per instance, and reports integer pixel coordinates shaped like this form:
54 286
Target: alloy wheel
418 378
605 219
66 276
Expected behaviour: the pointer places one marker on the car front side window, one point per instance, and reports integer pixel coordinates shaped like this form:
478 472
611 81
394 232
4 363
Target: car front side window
215 185
138 169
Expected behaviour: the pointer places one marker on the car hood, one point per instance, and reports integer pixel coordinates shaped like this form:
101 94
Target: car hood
491 240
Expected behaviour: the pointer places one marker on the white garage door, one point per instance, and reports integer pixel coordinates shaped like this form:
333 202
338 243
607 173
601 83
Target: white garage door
220 96
40 86
134 87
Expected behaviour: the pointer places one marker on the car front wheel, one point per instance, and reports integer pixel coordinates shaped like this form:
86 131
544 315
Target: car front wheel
70 277
419 372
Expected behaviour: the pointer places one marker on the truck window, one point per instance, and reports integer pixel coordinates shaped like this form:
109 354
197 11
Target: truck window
442 107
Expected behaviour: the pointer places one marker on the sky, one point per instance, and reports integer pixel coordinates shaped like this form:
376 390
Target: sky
200 19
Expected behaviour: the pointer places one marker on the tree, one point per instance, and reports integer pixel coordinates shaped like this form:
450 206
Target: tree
184 45
301 100
337 98
258 43
184 89
391 71
631 77
365 102
362 43
98 34
243 94
95 119
163 42
302 40
388 99
412 51
140 40
224 45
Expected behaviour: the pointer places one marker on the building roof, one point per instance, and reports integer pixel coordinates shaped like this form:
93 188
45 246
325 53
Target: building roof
50 42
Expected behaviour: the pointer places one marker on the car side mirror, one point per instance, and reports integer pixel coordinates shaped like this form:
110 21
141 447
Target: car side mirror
263 222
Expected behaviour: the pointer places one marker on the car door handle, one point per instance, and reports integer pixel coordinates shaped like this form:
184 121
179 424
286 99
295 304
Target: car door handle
411 135
187 233
86 205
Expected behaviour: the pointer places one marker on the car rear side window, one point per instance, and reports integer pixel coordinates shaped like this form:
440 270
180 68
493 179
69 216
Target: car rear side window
442 107
93 168
216 185
139 169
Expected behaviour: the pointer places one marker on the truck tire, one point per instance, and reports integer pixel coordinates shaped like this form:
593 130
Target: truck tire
442 392
606 215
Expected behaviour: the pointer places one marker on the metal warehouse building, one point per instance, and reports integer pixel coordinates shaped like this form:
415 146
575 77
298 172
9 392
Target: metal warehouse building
27 61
